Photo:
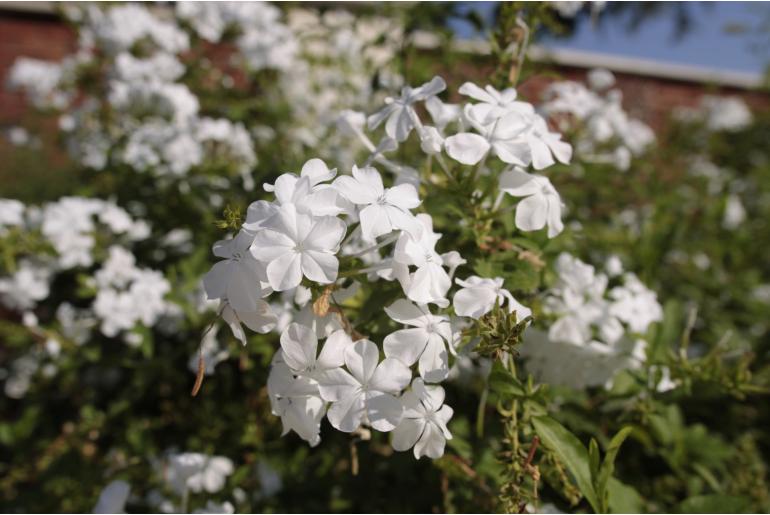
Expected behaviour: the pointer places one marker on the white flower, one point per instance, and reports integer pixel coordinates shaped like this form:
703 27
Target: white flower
296 244
427 340
478 296
734 214
386 209
11 213
542 205
365 394
296 401
300 343
239 279
494 104
198 472
113 498
28 285
424 425
635 304
430 282
399 112
502 136
215 507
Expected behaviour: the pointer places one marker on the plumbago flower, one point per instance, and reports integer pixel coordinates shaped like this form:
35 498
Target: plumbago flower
427 340
295 244
399 113
479 295
542 205
366 391
424 423
386 209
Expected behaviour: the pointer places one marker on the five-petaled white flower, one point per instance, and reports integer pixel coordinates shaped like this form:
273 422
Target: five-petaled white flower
494 104
425 340
295 244
300 343
424 424
367 393
386 209
501 136
542 205
399 112
479 294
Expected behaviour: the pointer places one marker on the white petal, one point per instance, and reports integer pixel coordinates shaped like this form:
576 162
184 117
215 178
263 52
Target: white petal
429 89
391 376
407 433
336 384
345 414
215 280
519 183
333 350
320 267
269 245
541 154
261 320
355 191
466 147
326 234
513 152
403 196
374 222
369 177
406 312
317 171
285 272
299 345
406 345
384 411
474 302
434 361
431 443
531 213
555 225
361 358
472 90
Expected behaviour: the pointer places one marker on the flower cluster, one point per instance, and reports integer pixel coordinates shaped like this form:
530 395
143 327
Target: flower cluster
599 327
607 133
324 233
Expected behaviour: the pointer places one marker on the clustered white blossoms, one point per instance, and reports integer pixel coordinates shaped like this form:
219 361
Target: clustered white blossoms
598 329
718 113
607 133
317 220
122 295
183 474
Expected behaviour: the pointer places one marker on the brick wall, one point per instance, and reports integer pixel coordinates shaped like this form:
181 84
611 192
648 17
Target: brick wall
28 35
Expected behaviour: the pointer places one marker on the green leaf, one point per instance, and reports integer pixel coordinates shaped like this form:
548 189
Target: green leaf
594 457
570 451
715 503
502 381
608 466
623 498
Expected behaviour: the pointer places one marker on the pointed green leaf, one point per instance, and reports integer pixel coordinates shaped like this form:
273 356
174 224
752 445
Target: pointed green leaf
608 466
570 451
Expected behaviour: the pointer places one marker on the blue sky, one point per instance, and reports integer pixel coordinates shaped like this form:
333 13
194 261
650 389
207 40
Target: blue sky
706 44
